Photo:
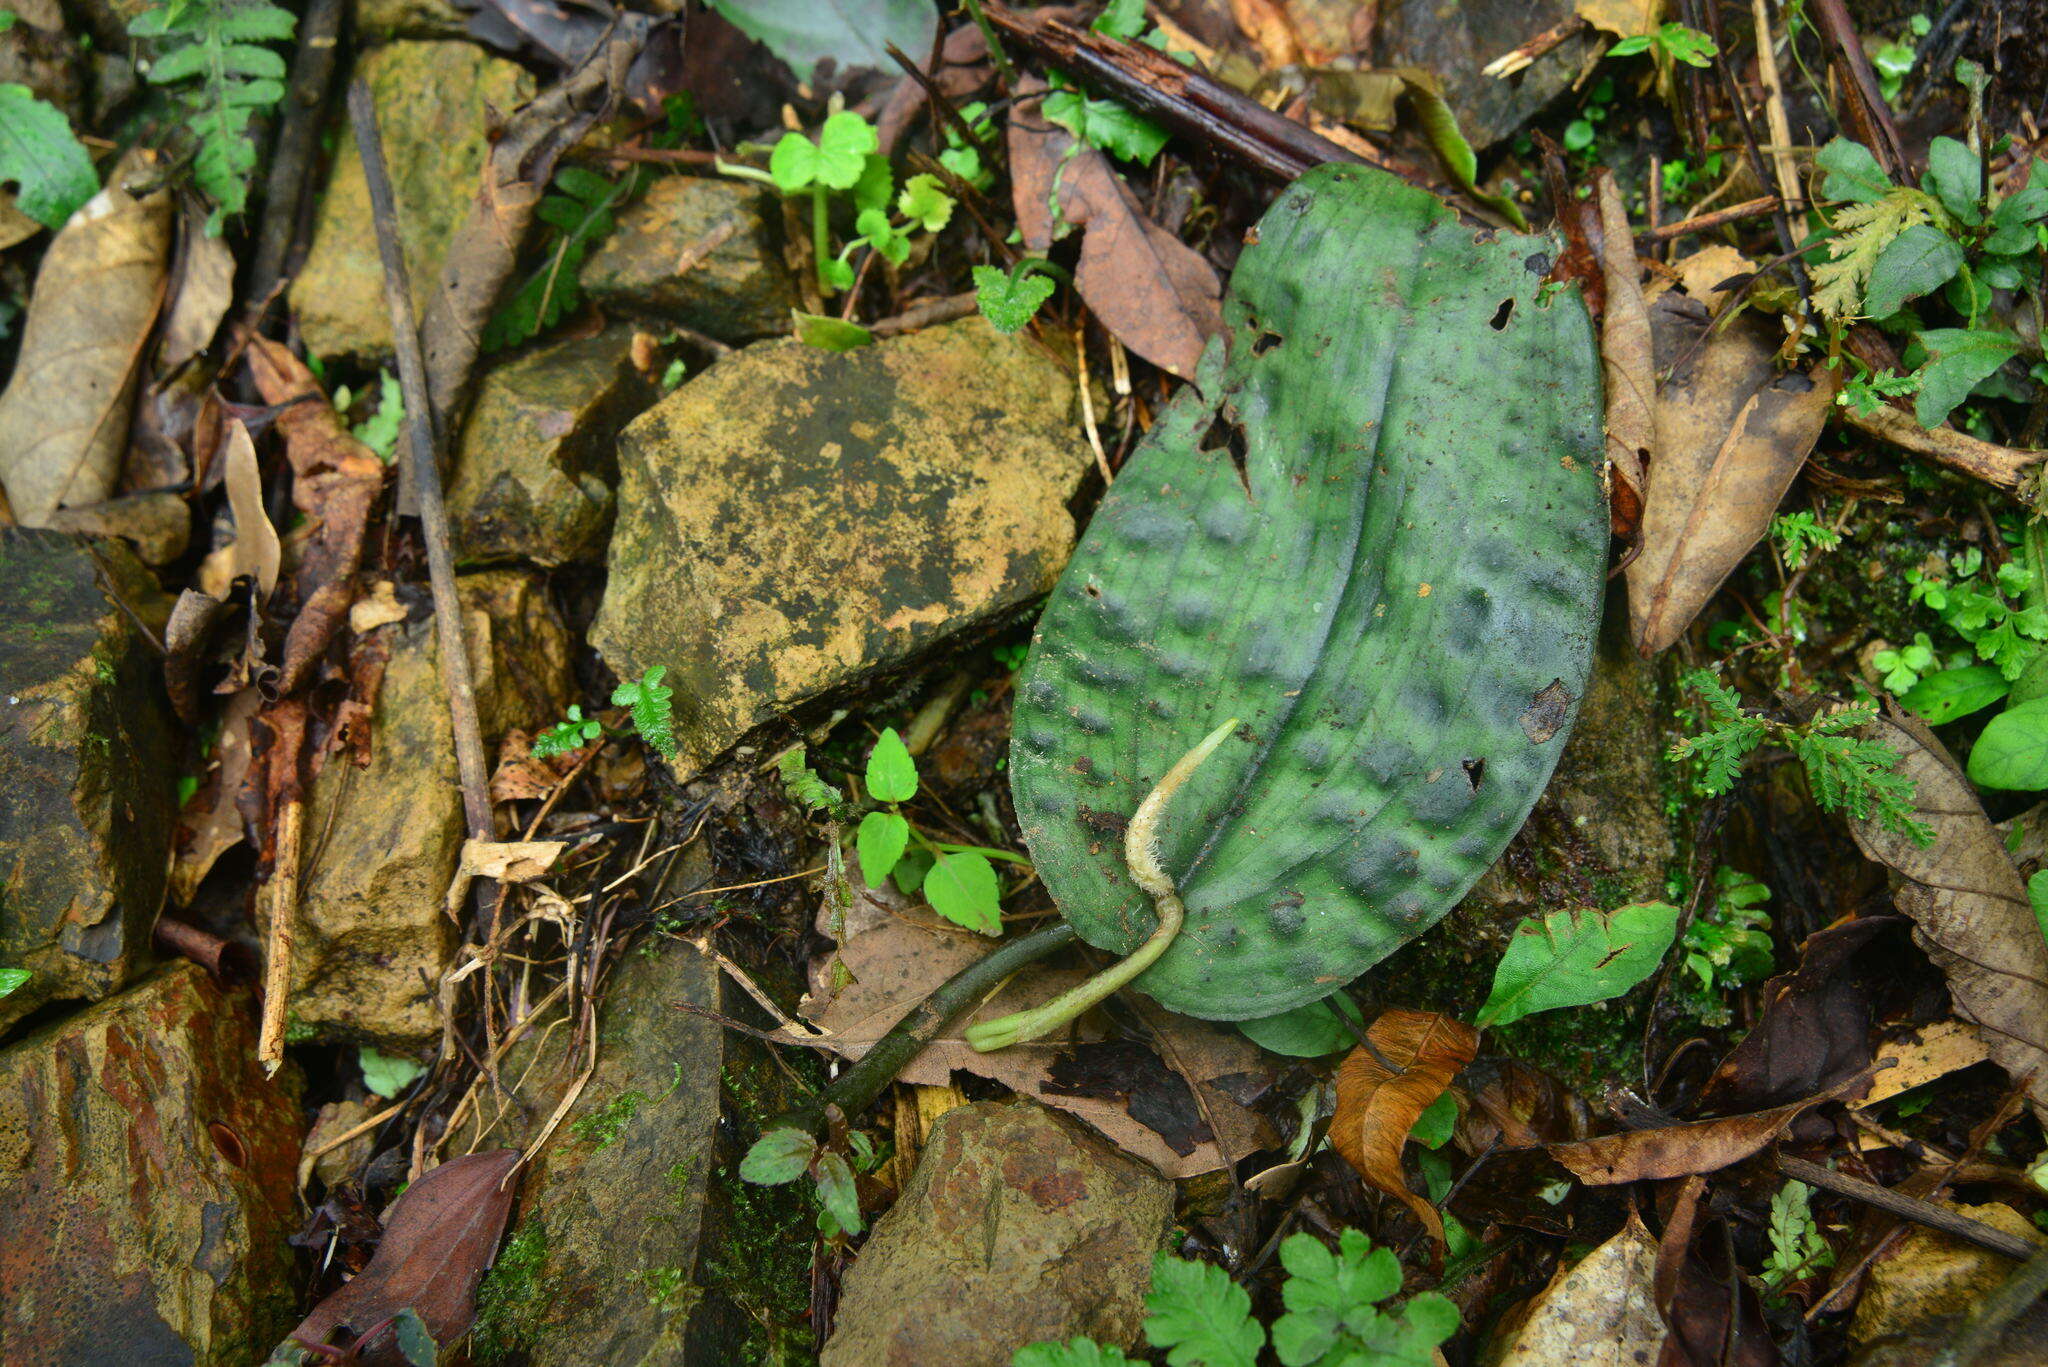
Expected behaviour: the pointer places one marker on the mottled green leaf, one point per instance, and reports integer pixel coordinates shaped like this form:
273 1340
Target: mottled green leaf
853 33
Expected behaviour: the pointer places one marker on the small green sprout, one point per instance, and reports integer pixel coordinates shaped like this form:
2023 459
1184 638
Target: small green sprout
1670 43
1010 299
572 733
653 714
785 1154
1798 1249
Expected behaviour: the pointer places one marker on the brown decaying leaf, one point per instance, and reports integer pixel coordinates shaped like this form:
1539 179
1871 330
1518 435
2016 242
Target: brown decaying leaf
1627 362
1599 1312
1699 1146
211 823
336 481
1376 1108
1732 432
205 288
64 417
1969 908
1713 1313
888 962
1515 1105
1156 294
1265 22
255 551
439 1238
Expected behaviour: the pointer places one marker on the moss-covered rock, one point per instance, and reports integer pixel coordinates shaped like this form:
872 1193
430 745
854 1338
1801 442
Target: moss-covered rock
792 520
434 102
86 782
146 1184
700 251
382 842
384 19
533 473
1016 1227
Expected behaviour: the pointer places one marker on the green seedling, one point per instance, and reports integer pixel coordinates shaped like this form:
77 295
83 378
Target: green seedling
843 159
1894 60
957 880
652 714
1999 613
1800 535
1903 666
1011 299
963 155
1798 1249
786 1154
1102 124
1727 946
580 212
572 733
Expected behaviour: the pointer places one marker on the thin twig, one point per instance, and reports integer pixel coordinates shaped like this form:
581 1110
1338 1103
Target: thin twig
2003 467
426 471
290 178
1909 1208
1749 208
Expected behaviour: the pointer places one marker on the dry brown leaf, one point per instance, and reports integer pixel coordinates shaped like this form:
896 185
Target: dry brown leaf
1931 1052
1699 1146
64 417
1156 294
1969 908
1628 364
1622 18
211 823
880 973
255 551
157 524
16 227
206 286
1600 1312
439 1237
379 607
1732 431
1265 22
1376 1108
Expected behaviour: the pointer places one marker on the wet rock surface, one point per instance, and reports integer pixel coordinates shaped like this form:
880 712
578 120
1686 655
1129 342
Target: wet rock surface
86 801
146 1184
433 101
532 476
379 19
794 520
1016 1227
633 1243
382 842
699 251
1455 39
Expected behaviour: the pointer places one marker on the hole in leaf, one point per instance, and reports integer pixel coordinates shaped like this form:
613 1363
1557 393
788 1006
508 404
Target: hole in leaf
1267 341
1093 591
1475 770
1225 435
1502 314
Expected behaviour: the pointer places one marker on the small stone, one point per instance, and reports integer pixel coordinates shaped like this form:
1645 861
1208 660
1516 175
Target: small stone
86 800
382 843
1457 41
699 251
146 1170
793 520
532 477
1033 1231
625 1247
1929 1275
385 19
434 103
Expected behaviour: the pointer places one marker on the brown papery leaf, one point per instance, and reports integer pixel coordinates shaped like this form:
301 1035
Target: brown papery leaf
1732 432
255 551
1600 1312
64 417
439 1238
206 286
1627 363
1155 293
1377 1107
1699 1146
1969 908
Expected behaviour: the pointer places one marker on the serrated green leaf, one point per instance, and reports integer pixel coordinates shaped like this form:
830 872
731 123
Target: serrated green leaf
1404 647
1309 1031
838 1193
844 144
780 1155
1106 125
877 182
1010 301
1918 261
1954 176
963 888
42 158
1577 957
2013 751
1329 1296
882 838
1953 693
1200 1316
925 202
385 1074
853 33
892 773
1963 358
1850 172
1077 1352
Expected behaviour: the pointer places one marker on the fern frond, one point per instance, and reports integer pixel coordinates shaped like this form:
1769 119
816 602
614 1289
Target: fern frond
653 709
213 50
1863 231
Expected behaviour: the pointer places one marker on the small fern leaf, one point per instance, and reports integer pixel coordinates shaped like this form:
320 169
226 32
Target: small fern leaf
213 50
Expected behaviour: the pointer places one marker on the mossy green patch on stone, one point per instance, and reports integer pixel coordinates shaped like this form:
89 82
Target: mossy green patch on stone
602 1125
511 1301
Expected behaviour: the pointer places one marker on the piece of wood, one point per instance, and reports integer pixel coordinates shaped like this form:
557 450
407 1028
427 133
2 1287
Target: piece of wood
1907 1208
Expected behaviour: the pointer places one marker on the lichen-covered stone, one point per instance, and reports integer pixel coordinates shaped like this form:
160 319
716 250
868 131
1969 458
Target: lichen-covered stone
794 519
86 800
383 19
382 843
1016 1227
146 1184
701 251
433 111
532 478
620 1216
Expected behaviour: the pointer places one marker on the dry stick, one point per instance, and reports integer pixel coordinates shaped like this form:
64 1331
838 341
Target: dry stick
1749 208
2003 467
426 471
1774 114
944 309
287 725
1867 109
298 142
1909 1208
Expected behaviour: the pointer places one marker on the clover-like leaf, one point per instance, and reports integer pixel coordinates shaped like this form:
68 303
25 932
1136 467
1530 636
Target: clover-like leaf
925 202
843 147
1010 301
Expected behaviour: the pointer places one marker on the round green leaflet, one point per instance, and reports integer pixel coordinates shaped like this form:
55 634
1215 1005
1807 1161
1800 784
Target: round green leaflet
1373 530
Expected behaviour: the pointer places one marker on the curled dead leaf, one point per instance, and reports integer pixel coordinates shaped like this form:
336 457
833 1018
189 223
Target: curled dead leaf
1628 364
1698 1146
1377 1106
255 551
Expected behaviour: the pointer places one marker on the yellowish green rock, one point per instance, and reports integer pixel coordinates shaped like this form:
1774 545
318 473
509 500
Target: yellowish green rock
433 111
700 251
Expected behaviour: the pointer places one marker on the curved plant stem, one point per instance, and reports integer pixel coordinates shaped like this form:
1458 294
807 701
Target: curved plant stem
856 1088
1141 856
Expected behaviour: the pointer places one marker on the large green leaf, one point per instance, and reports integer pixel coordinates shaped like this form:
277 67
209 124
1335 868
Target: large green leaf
1374 531
851 32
